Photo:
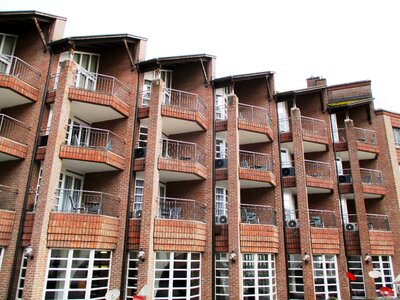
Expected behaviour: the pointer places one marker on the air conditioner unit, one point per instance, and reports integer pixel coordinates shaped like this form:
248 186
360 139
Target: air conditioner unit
288 171
223 219
344 178
138 214
140 152
293 223
351 227
221 163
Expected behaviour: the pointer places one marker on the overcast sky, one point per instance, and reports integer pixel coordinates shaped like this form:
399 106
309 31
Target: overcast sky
342 41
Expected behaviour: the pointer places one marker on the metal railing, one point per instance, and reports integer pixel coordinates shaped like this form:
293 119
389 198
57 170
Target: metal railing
339 135
8 197
257 214
101 83
254 114
255 161
322 218
173 149
317 169
16 67
365 135
13 129
95 138
221 112
378 222
314 126
180 209
86 202
372 177
285 125
185 100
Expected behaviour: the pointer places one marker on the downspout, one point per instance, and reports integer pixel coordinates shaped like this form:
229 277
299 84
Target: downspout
29 181
131 178
213 199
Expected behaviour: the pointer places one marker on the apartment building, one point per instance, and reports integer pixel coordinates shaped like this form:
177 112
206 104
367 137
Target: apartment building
118 172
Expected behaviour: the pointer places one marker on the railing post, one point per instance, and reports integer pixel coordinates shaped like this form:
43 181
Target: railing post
1 122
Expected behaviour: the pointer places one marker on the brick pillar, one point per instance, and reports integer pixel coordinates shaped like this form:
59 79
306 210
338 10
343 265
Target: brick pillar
302 202
151 186
36 268
360 206
235 269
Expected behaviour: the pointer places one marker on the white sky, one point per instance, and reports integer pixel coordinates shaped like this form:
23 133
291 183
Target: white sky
340 40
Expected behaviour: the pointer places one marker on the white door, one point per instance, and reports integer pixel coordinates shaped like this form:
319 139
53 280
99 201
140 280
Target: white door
70 192
78 133
339 166
286 160
289 206
283 117
166 76
335 131
220 104
7 47
221 148
87 77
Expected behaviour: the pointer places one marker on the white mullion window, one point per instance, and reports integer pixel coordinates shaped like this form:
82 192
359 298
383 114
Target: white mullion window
221 205
146 94
132 275
90 63
220 104
326 281
383 264
259 276
143 131
396 134
21 280
295 276
221 148
40 175
1 256
7 48
138 200
221 276
177 275
354 264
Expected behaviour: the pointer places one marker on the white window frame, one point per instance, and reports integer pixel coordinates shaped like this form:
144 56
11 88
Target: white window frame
220 104
221 203
131 274
283 117
396 136
335 129
221 148
143 136
325 273
6 58
286 160
81 128
295 274
138 196
89 77
40 175
146 93
383 264
68 271
190 278
252 271
1 256
60 205
221 267
21 277
354 263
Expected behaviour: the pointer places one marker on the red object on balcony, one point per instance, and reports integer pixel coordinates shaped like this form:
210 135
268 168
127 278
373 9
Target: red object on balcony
350 276
138 298
385 291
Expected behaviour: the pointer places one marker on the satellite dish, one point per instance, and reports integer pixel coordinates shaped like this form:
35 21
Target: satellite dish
144 291
112 294
375 274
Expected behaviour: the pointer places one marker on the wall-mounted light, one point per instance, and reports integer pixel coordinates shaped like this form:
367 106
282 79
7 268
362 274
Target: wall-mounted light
306 257
367 258
233 256
28 252
141 255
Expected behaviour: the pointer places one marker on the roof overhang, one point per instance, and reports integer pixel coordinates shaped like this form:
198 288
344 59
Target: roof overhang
173 61
225 81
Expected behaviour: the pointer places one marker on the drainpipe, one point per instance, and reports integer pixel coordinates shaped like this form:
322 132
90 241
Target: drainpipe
213 199
29 181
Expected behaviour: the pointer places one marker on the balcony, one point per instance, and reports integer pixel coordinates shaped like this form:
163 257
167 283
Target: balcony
8 198
378 222
180 225
90 150
380 235
318 177
13 137
367 147
324 231
257 229
19 82
372 181
91 215
255 170
254 124
181 161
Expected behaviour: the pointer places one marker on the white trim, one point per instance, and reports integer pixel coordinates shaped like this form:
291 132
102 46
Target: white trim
295 275
1 256
325 269
21 277
221 266
221 203
133 271
354 263
383 264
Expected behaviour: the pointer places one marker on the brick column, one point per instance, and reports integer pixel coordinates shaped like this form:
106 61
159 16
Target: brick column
235 269
151 187
360 206
36 268
302 202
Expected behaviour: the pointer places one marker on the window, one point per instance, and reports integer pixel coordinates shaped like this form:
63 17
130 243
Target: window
355 267
220 104
326 282
137 204
7 47
146 94
143 136
259 278
22 273
1 256
221 205
221 276
78 133
177 275
295 276
283 117
383 264
221 149
131 278
396 133
87 76
69 193
38 184
77 274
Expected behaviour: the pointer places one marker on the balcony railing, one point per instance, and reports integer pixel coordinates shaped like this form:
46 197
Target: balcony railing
284 125
221 113
95 138
378 222
317 169
185 100
339 135
86 202
101 83
184 151
350 218
371 177
255 161
254 114
7 197
16 67
365 136
257 214
313 126
322 218
13 129
180 209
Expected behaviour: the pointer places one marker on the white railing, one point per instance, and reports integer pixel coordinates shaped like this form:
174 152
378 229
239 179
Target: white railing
185 100
180 209
255 161
372 177
365 135
314 126
185 151
13 129
317 169
16 67
254 114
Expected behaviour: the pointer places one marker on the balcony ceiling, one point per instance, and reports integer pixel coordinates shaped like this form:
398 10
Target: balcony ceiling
309 147
249 137
249 184
362 155
177 126
310 190
86 166
6 157
167 176
10 98
92 113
